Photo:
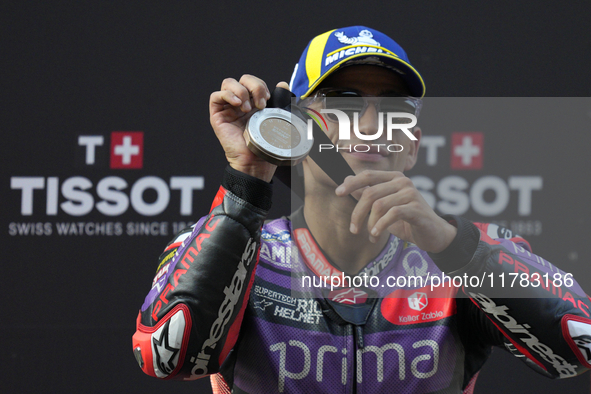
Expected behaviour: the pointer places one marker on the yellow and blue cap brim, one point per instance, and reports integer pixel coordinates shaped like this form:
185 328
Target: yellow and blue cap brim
326 53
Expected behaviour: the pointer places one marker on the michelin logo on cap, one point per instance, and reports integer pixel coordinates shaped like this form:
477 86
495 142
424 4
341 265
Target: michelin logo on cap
365 38
347 46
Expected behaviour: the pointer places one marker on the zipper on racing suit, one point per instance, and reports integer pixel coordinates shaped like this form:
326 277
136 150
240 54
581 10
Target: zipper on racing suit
357 345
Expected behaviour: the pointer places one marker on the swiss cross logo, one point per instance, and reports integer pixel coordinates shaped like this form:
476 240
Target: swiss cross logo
467 150
417 301
127 149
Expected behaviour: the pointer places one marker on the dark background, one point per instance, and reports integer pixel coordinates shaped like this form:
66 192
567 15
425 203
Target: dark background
90 68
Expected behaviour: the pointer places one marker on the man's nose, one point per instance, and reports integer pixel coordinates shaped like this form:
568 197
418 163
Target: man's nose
369 123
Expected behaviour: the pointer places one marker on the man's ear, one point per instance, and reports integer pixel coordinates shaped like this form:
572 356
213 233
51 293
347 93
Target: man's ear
413 149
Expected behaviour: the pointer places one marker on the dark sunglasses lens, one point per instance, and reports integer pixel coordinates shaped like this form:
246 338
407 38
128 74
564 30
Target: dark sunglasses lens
348 102
397 104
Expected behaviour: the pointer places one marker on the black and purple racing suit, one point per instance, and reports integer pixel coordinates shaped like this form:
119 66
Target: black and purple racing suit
249 303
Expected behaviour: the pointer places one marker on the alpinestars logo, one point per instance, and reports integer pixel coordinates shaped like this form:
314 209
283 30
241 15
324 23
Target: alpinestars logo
262 305
165 353
378 266
522 333
583 342
349 296
166 344
232 292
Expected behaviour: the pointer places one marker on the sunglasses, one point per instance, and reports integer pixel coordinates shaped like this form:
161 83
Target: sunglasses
351 102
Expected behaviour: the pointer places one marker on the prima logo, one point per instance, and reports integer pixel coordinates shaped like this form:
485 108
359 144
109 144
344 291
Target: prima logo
306 363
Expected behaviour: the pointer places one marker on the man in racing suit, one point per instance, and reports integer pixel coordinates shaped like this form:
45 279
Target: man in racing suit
224 304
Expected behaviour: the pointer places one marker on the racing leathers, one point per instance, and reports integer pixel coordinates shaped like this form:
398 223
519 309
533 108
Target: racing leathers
250 303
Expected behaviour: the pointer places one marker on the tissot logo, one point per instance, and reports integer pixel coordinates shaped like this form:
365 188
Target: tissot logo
110 195
127 149
487 195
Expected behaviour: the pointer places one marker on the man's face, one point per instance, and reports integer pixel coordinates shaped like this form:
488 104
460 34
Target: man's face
372 81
